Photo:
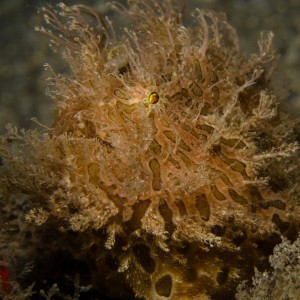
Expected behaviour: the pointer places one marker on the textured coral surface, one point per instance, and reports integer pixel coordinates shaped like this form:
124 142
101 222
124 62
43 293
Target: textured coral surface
173 200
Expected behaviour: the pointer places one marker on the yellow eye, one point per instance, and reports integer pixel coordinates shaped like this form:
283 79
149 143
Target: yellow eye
153 98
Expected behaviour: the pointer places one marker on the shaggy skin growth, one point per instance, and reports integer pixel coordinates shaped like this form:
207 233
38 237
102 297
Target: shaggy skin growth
180 198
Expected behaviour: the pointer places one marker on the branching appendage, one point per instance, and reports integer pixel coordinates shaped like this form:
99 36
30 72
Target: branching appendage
75 27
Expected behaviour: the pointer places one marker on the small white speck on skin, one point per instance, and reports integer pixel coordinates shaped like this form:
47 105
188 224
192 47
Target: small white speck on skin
81 125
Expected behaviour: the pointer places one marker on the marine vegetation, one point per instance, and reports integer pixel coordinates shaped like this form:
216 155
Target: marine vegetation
283 282
172 168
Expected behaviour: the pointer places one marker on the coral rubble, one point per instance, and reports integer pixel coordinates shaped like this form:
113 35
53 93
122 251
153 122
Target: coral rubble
180 195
